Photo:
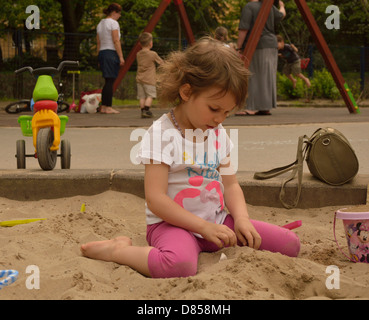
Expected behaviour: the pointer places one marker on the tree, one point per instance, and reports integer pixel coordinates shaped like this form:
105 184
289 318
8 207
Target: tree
72 13
79 18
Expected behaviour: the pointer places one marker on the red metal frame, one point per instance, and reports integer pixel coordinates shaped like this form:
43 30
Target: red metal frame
327 55
318 38
149 28
258 27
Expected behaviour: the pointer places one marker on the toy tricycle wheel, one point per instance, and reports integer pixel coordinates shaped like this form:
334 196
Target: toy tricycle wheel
19 106
46 157
65 154
21 154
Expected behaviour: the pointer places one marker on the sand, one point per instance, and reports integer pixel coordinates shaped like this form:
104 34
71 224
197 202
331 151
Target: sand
52 245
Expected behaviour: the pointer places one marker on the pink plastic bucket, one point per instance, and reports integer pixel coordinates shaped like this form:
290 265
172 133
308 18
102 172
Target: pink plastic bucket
356 224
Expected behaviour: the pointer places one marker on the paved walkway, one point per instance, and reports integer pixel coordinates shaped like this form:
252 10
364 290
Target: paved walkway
103 148
130 116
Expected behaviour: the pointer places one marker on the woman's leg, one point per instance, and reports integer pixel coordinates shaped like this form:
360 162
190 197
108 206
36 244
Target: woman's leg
107 92
107 96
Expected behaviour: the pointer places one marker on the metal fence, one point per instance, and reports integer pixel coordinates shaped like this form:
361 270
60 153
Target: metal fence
35 48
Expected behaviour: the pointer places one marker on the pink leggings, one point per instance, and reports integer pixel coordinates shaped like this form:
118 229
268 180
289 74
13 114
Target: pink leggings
176 250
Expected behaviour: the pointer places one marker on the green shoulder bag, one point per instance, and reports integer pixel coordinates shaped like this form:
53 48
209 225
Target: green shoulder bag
329 156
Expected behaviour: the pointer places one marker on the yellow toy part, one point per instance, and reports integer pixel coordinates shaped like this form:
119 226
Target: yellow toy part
43 119
83 208
12 223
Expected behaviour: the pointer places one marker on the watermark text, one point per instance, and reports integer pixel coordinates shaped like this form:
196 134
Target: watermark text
33 280
333 21
333 280
33 21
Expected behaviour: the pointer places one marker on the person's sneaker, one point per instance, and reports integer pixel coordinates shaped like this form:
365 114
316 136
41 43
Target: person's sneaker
146 113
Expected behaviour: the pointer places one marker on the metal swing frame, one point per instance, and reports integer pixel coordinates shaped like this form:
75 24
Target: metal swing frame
253 41
149 28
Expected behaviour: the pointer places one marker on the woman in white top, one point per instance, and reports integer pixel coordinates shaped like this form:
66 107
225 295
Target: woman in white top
110 54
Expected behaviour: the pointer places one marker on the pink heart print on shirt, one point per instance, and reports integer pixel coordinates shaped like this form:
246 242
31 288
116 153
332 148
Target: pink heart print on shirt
211 195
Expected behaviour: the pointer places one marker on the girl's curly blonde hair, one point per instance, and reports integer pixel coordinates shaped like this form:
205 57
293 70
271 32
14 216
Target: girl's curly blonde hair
207 63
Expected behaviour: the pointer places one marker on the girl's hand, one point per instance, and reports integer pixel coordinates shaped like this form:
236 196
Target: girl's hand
246 233
219 234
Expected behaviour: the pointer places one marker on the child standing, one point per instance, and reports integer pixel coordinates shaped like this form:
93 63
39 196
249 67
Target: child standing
293 62
146 74
221 34
189 181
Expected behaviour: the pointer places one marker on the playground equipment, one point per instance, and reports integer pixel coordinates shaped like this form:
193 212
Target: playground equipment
73 72
149 28
253 41
25 105
9 277
45 126
319 40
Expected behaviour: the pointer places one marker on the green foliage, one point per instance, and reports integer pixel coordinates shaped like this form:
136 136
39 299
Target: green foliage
354 29
285 88
26 60
204 17
323 85
135 16
354 83
13 14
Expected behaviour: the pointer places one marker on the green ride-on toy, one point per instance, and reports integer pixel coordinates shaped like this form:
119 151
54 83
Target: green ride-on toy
44 126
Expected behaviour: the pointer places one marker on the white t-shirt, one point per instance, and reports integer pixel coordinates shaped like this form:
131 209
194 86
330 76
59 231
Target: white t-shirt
104 29
194 181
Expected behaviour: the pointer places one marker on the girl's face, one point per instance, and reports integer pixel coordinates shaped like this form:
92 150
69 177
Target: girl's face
205 110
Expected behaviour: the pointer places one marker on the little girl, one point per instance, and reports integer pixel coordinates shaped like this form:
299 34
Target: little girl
193 200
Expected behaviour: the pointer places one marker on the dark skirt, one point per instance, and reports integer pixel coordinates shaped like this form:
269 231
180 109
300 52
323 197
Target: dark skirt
109 63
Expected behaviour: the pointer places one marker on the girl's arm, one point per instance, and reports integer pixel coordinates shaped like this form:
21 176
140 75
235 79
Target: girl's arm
156 185
117 45
236 204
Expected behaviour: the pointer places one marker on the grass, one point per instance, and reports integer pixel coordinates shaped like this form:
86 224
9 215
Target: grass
130 102
126 93
125 102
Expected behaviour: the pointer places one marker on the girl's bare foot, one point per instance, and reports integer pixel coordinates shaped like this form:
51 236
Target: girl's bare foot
105 250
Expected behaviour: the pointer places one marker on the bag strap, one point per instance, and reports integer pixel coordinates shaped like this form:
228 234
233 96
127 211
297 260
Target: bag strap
296 167
274 172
